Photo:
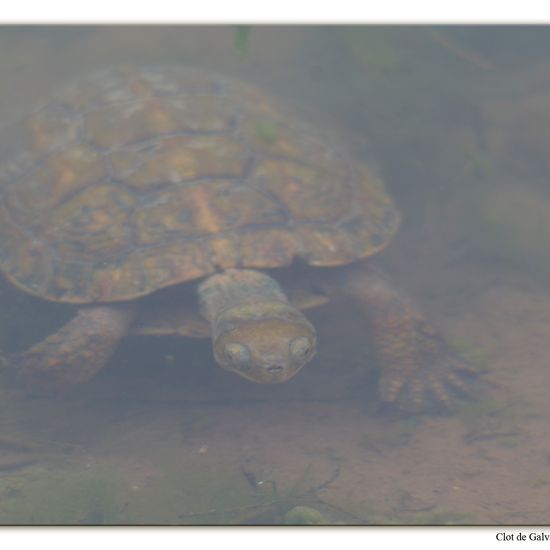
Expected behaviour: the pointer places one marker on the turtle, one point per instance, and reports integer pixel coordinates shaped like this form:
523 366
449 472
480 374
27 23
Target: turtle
134 188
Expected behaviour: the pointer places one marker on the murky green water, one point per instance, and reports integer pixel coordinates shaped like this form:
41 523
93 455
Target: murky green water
457 121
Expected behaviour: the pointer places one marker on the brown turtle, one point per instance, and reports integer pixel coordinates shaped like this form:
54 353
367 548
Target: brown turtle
134 180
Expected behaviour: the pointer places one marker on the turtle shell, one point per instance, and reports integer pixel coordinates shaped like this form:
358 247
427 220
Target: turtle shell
131 180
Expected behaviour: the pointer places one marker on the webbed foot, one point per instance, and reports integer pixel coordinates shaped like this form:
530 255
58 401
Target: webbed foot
420 372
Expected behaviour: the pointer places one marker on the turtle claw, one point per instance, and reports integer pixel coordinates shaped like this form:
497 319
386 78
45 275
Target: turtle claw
434 388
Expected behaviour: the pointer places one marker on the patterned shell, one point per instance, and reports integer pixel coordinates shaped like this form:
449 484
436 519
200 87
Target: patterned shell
136 179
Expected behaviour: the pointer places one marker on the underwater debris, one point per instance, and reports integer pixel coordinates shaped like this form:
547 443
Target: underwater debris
273 508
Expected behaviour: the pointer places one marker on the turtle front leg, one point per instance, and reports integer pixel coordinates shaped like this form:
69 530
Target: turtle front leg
419 371
75 353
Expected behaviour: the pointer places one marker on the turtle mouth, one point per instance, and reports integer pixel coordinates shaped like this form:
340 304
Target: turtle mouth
272 374
275 369
275 372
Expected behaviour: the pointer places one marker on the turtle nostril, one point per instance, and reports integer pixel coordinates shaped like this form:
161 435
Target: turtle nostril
274 369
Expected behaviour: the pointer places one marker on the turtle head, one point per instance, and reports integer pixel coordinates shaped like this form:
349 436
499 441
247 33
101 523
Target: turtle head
268 350
256 331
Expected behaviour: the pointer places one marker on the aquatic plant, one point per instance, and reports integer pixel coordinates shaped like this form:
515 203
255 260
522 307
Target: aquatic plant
264 502
304 515
242 39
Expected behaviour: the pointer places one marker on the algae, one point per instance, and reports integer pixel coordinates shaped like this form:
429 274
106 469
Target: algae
267 132
55 497
190 490
304 515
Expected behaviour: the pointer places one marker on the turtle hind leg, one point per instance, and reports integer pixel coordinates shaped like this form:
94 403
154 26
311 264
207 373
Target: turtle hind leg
75 353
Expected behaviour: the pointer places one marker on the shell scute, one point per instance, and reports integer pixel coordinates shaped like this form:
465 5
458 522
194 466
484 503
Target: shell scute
131 180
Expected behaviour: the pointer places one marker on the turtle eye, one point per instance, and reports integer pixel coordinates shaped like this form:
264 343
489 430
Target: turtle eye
301 348
236 354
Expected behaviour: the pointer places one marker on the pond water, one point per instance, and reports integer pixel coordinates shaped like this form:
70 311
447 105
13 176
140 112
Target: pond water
456 120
